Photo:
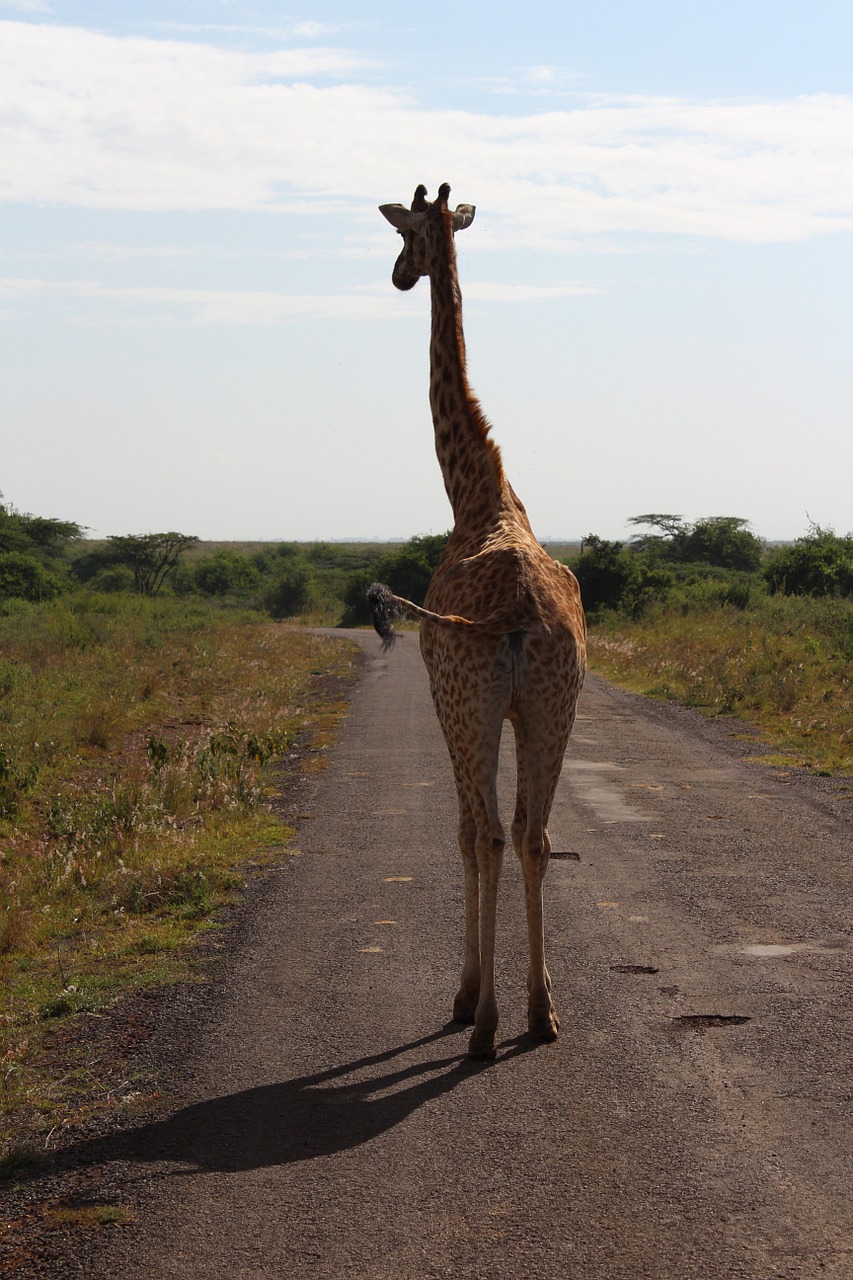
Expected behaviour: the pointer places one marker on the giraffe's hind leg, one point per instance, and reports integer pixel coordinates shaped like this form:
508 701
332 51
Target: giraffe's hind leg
481 843
489 850
538 773
468 995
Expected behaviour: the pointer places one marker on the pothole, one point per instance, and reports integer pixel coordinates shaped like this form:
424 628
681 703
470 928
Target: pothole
566 854
633 968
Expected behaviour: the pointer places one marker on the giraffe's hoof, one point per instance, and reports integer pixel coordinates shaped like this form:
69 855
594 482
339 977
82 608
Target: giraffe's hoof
481 1046
464 1009
543 1027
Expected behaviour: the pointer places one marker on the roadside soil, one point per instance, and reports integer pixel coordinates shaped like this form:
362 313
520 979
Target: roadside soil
315 1115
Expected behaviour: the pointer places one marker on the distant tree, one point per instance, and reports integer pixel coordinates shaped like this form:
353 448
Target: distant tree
408 572
51 537
150 557
818 564
603 571
33 554
88 563
670 526
724 541
36 535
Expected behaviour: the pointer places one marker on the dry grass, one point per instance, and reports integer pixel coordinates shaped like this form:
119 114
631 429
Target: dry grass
135 743
783 666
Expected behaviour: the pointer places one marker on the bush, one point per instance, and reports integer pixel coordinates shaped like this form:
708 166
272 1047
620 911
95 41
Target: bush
407 572
700 592
24 577
613 576
603 570
116 577
225 573
818 564
722 541
289 593
93 561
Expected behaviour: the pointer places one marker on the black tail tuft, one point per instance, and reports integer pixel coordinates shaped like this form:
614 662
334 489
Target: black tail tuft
384 610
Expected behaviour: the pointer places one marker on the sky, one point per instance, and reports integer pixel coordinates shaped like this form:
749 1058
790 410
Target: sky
198 330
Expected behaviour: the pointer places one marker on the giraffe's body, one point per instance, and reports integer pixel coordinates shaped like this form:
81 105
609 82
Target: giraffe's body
503 638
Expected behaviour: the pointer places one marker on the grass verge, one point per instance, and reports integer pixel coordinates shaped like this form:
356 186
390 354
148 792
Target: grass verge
136 739
783 667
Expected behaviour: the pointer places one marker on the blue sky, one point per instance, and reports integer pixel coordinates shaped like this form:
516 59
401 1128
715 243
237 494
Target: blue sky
197 325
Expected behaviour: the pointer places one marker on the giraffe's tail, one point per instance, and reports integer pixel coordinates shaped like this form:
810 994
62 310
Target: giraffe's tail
385 607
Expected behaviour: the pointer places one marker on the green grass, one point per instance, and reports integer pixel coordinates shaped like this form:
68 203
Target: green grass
88 1215
136 742
782 665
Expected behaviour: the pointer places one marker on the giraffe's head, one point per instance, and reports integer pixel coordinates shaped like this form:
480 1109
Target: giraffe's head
424 229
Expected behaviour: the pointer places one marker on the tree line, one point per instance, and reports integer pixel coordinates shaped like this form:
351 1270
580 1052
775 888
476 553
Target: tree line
716 561
713 561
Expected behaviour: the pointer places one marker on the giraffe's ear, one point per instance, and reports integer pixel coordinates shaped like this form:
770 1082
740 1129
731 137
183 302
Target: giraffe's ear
397 214
464 216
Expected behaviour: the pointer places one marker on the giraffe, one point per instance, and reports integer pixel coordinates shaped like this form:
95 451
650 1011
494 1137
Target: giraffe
503 637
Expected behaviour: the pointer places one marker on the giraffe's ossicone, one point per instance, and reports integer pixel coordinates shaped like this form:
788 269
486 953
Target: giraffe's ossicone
503 637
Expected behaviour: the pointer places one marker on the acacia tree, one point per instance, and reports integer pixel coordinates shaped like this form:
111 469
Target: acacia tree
670 526
37 535
724 541
150 557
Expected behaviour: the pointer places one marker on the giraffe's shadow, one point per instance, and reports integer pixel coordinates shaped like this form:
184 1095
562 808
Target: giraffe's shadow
298 1119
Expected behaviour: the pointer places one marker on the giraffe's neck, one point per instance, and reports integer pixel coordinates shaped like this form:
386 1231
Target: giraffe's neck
470 461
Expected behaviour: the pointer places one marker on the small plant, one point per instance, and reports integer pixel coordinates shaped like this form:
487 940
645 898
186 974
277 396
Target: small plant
89 1215
16 780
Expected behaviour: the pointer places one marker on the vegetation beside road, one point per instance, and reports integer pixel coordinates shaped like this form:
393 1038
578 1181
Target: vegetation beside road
706 615
783 665
137 738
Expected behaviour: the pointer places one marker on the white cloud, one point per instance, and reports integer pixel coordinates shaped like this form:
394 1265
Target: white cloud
488 291
106 123
298 30
313 30
89 301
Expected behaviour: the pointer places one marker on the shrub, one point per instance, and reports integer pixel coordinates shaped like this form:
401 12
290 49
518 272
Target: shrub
818 564
225 573
723 541
116 577
613 576
407 572
25 577
603 570
290 592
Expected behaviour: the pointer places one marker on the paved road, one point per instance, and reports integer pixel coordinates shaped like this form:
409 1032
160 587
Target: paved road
693 1120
